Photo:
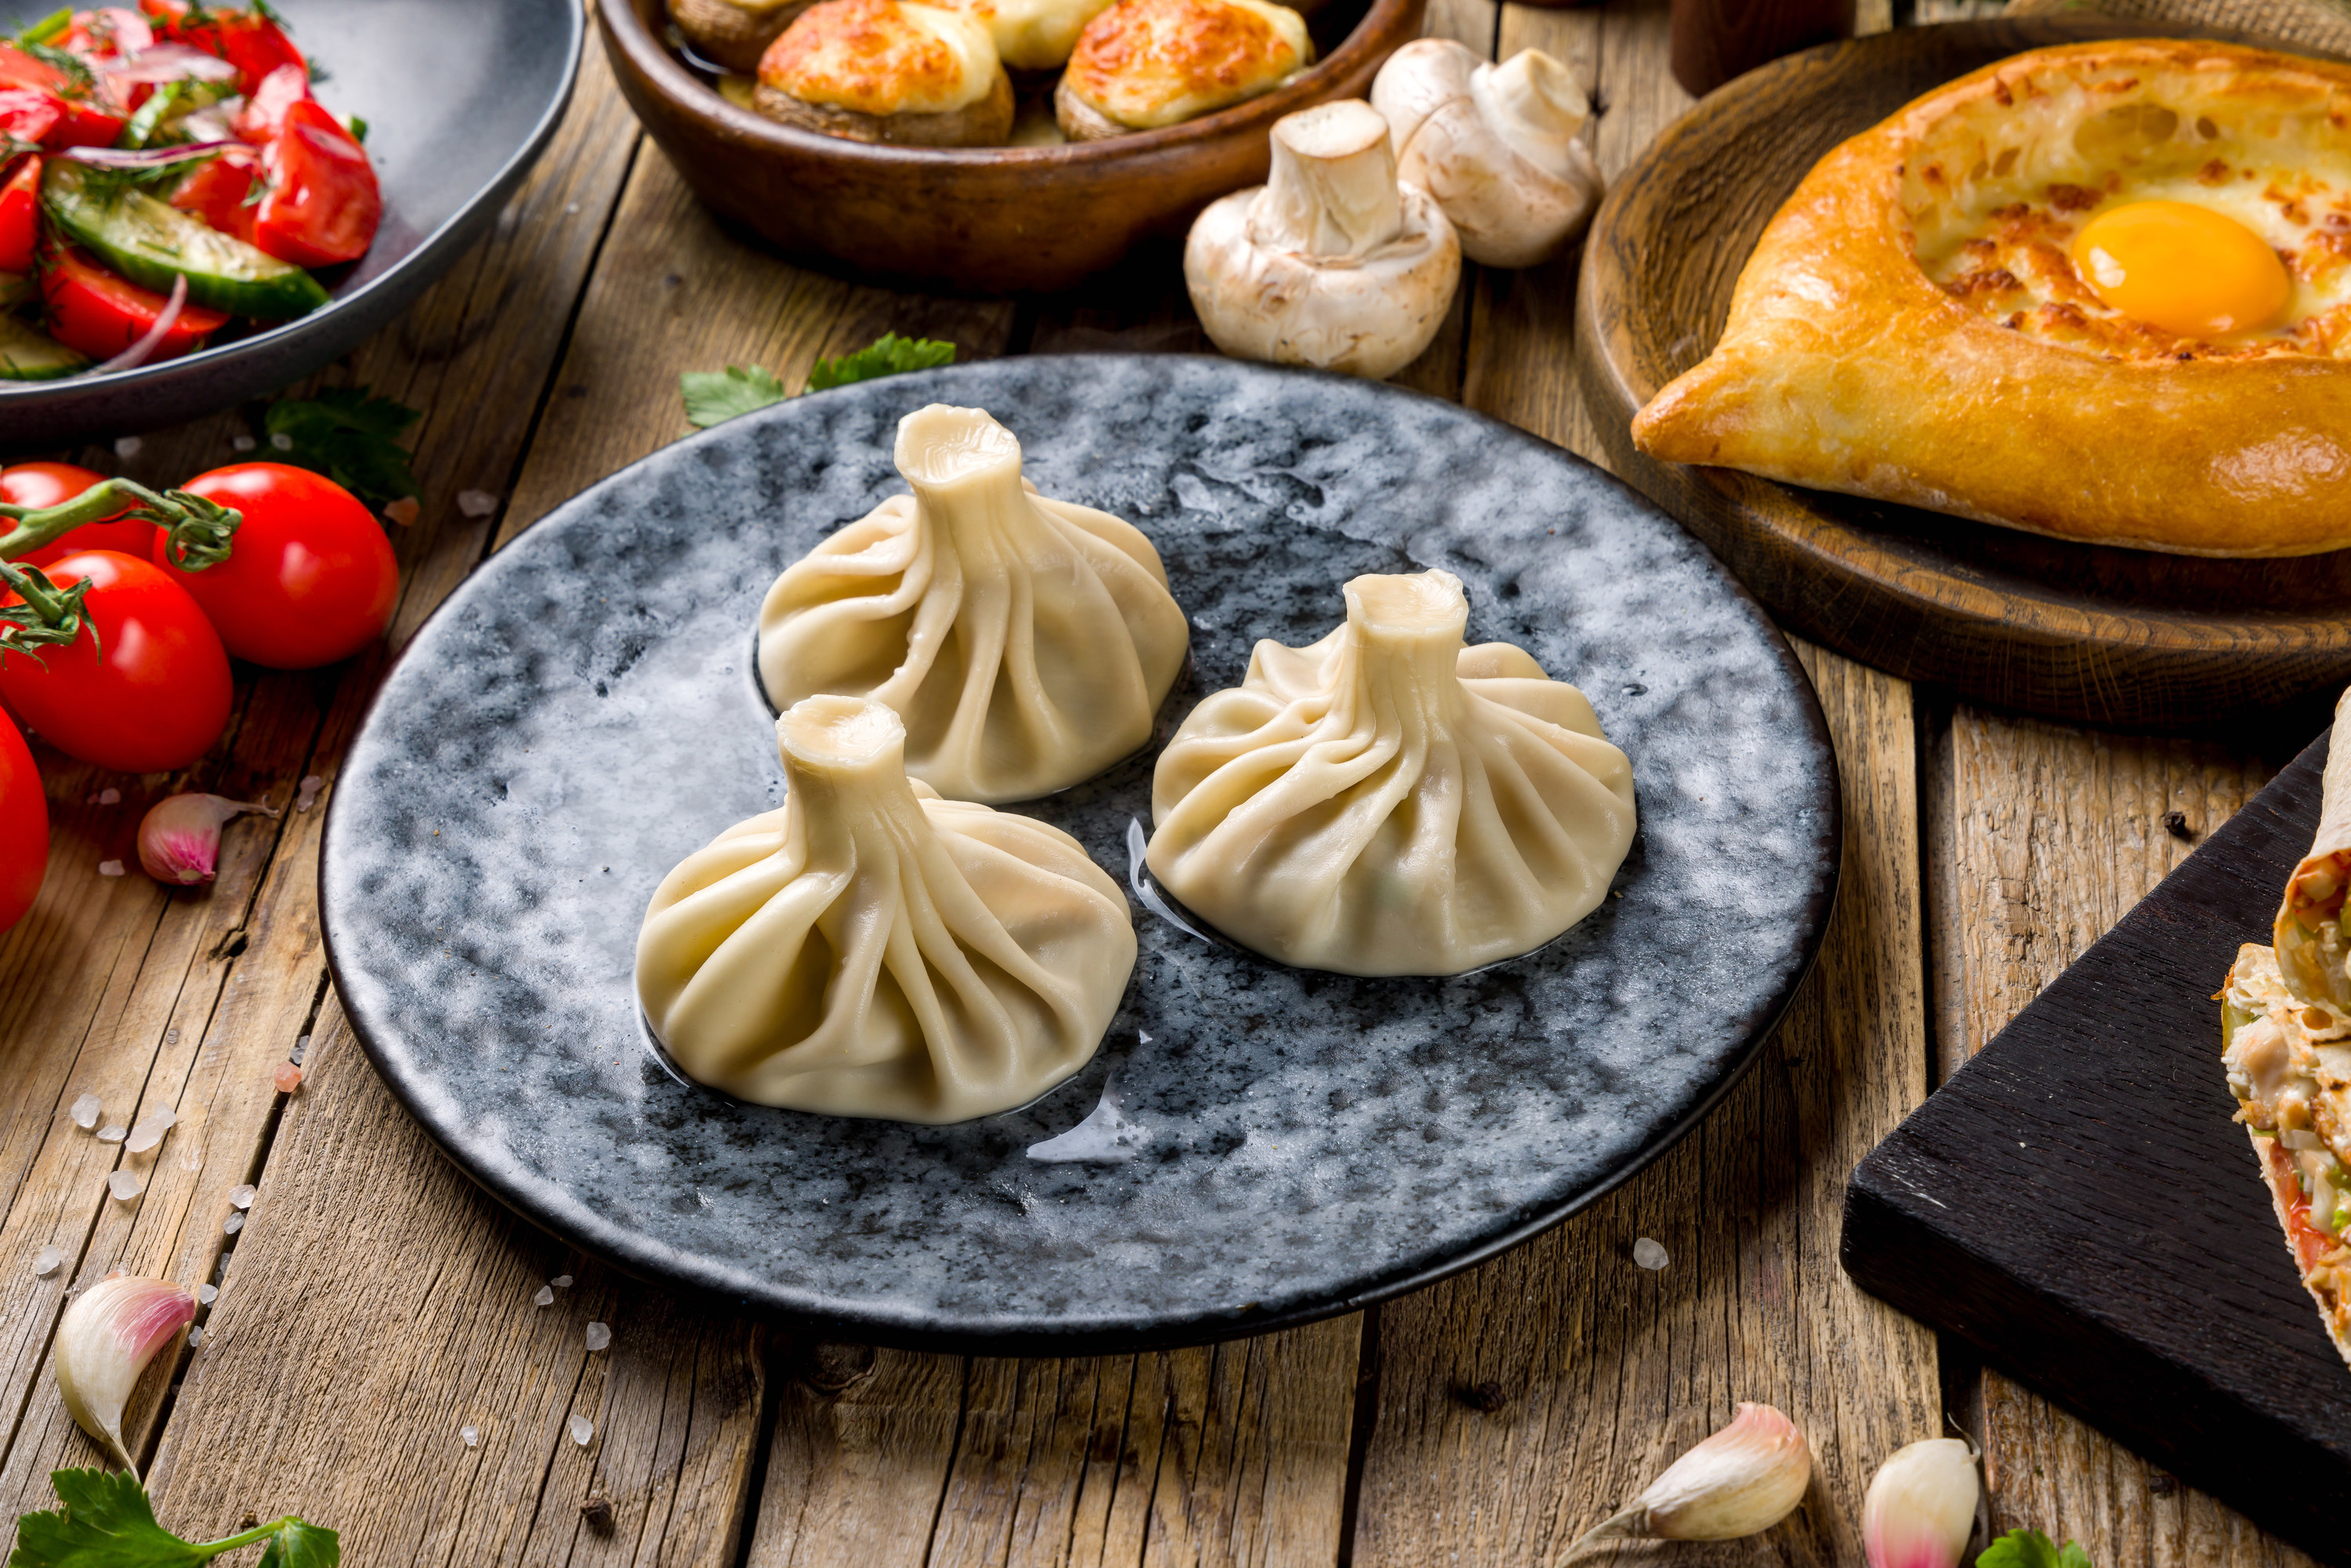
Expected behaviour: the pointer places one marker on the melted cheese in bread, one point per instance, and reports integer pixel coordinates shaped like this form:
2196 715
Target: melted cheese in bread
1149 63
1033 35
882 56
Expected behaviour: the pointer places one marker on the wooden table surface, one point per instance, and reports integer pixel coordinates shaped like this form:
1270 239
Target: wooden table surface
377 1303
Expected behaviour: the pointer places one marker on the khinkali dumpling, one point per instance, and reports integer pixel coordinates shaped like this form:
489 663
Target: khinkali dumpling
872 950
1388 802
1027 642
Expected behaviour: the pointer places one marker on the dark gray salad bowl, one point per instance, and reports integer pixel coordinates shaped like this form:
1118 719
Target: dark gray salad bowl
460 96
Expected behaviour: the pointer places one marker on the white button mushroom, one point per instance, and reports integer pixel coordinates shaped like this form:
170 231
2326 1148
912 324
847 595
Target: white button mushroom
1496 145
1330 263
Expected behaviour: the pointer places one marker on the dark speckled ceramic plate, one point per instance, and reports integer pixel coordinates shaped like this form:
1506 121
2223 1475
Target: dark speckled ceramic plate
583 714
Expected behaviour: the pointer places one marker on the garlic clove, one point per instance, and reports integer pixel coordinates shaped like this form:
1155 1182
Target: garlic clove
1920 1509
179 841
105 1340
1743 1479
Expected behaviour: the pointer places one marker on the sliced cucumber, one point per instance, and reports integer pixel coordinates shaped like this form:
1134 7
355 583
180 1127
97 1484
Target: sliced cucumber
14 289
152 242
29 354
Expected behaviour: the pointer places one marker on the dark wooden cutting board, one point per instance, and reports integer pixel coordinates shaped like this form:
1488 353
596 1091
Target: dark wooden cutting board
2077 1202
2082 633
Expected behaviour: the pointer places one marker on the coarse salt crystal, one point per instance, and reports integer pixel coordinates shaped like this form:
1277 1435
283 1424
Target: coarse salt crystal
85 1112
45 1261
301 1048
242 443
128 446
546 1297
241 1197
124 1184
109 796
404 511
283 442
476 502
110 868
151 1129
598 1335
206 1294
469 1435
112 1135
232 1225
288 1078
308 795
1649 1254
195 1336
561 1281
583 1429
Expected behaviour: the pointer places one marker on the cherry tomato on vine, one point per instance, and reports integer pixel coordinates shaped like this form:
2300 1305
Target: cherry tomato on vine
152 696
45 485
310 578
24 827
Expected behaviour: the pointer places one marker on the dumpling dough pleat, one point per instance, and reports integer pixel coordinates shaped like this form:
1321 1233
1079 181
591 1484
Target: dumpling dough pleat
1028 642
872 950
1388 802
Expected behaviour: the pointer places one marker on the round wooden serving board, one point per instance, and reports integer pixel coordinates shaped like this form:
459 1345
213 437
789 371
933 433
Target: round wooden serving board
2072 631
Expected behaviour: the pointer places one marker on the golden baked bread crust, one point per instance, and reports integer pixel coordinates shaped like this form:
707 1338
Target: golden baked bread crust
1143 64
882 59
1845 366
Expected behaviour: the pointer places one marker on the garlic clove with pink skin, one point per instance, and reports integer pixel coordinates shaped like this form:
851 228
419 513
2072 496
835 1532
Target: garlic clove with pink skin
179 842
1920 1509
104 1342
1742 1480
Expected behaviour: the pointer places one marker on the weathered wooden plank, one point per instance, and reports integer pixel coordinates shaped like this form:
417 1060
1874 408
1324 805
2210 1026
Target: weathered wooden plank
675 292
379 1303
2050 835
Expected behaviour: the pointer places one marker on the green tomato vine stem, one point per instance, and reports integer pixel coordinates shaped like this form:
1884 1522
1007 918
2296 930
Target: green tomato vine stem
199 530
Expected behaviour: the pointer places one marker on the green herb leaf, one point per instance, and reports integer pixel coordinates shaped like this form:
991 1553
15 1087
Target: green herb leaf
347 434
49 26
108 1522
2030 1549
713 397
891 355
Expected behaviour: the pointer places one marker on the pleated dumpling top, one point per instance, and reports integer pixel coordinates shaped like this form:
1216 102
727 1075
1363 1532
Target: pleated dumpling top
1028 642
872 950
1390 801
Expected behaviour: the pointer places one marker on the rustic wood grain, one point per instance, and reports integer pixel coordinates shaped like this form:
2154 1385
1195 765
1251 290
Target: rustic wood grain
2070 631
2053 834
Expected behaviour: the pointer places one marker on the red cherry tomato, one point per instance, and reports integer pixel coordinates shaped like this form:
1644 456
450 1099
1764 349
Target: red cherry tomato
28 115
20 208
152 697
215 192
310 578
84 120
46 484
93 312
24 827
323 204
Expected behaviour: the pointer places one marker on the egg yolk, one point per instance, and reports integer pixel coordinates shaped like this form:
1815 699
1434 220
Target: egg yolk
2185 268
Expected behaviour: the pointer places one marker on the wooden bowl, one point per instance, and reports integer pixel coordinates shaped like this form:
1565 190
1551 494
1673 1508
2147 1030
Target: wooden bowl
970 220
2073 632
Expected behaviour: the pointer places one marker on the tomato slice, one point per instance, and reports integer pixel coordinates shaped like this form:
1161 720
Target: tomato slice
109 30
20 215
248 40
323 204
216 190
29 114
45 485
83 121
265 110
93 312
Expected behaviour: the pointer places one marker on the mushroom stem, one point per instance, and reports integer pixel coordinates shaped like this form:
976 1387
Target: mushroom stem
1332 192
1532 101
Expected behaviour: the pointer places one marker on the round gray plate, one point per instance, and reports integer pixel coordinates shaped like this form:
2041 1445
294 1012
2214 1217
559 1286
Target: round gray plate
582 713
460 98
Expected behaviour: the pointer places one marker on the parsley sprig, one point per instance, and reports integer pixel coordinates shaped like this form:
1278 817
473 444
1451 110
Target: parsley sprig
713 397
348 435
2019 1549
108 1522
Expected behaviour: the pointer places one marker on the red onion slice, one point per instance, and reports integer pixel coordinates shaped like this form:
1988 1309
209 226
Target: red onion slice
143 157
131 358
170 62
